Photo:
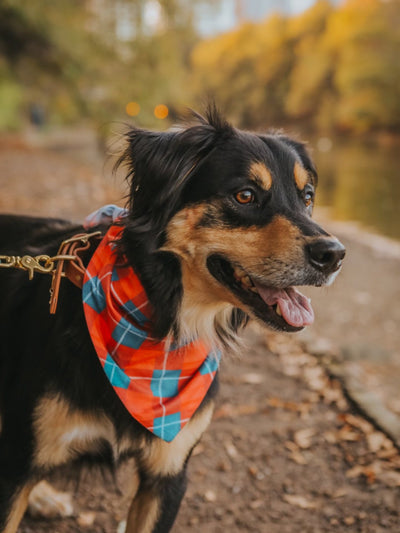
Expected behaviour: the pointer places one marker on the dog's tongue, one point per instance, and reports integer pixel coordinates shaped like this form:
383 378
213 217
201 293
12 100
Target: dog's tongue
295 307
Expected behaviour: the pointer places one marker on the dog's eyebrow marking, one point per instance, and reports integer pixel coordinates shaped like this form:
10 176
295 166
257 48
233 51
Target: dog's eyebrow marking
301 176
261 175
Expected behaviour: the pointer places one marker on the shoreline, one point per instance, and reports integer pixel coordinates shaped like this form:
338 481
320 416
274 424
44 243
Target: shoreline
356 231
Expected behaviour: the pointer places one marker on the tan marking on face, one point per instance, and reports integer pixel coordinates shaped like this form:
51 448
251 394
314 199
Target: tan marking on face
248 247
261 251
18 509
63 433
260 174
168 458
301 176
144 512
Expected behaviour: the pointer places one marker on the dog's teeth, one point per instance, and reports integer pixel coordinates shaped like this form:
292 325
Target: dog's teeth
278 310
253 289
238 273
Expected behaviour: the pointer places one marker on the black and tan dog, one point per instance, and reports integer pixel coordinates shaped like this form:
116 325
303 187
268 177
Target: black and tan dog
219 229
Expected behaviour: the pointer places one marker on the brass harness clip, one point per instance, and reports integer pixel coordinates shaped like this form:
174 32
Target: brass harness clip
67 263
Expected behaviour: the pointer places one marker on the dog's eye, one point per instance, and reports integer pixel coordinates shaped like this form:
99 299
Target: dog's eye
308 197
246 196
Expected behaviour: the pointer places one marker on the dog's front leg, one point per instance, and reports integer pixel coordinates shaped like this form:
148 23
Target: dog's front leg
162 476
156 504
16 482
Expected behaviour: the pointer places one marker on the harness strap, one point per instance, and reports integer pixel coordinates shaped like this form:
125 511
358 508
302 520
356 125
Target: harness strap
70 264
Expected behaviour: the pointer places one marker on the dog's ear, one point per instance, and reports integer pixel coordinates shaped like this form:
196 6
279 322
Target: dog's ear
160 163
160 274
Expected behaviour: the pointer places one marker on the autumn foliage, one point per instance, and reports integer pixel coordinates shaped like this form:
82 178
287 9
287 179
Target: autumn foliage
331 68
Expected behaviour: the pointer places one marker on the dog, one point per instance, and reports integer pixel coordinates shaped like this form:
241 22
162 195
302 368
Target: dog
217 230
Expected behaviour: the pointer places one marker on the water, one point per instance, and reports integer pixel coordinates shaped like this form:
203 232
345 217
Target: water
360 182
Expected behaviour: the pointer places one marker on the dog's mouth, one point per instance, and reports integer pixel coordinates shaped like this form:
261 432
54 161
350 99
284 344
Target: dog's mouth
282 309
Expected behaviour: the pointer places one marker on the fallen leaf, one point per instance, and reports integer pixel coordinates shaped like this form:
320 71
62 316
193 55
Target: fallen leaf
252 378
390 478
299 501
231 450
231 411
86 518
316 378
247 409
390 453
295 453
256 504
339 493
291 446
395 461
298 458
225 411
358 422
375 441
331 437
355 471
369 471
210 496
346 433
303 437
302 408
253 470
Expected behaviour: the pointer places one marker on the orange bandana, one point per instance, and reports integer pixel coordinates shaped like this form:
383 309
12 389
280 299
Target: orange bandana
160 384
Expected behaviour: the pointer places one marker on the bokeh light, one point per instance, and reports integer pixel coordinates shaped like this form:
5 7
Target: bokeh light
161 111
132 109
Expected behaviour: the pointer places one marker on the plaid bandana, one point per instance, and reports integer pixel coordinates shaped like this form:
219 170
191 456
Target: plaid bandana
161 384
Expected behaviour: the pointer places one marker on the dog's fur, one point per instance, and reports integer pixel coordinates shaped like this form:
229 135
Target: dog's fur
190 224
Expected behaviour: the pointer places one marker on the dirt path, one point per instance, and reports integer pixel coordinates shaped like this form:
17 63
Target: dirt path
284 453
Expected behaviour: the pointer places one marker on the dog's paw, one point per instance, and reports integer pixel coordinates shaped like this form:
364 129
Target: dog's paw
46 501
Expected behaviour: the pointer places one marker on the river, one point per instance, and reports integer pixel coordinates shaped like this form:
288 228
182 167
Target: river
361 182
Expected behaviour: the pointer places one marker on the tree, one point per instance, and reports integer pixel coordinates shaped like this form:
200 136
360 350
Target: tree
364 38
310 80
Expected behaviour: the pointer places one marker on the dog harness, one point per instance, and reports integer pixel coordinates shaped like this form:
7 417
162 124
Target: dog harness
160 383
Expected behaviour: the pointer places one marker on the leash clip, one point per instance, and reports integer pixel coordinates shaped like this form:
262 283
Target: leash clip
67 263
40 263
34 264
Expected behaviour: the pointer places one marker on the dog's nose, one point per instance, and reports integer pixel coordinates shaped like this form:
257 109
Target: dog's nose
326 254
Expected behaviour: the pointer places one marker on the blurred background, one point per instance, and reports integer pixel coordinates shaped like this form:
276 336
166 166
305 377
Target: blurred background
327 70
74 73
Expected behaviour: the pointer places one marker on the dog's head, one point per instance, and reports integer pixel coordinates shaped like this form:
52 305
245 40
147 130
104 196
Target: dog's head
220 228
